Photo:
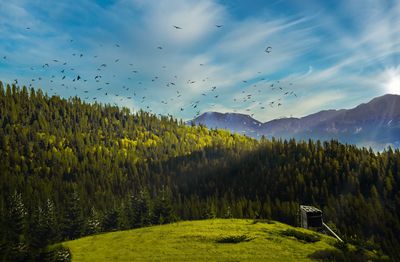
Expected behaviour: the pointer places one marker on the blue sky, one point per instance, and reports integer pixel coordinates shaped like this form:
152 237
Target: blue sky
325 54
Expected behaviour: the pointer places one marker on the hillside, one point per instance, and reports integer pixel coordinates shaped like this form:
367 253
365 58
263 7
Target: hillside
71 169
200 241
374 124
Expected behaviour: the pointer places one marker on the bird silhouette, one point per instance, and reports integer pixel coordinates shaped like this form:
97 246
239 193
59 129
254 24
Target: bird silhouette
268 49
177 27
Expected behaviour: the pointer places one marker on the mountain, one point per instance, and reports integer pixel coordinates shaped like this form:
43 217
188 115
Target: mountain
239 123
375 124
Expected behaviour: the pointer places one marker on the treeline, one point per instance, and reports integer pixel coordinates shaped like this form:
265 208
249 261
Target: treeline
70 169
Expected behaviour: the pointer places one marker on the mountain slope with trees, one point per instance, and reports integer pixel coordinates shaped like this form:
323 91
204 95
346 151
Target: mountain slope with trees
70 169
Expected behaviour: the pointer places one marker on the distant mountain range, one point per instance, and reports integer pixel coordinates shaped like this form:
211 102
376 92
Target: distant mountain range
375 124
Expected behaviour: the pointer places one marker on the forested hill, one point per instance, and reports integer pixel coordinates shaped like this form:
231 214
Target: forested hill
70 169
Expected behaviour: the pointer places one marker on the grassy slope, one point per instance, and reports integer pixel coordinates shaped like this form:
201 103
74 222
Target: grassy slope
196 241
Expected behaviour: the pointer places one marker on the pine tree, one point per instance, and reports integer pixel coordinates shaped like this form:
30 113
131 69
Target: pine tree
162 210
15 218
93 224
15 247
72 223
141 209
44 230
110 220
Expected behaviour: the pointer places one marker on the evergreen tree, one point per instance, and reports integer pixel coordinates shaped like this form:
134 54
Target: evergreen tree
93 224
72 222
110 220
14 245
162 210
141 209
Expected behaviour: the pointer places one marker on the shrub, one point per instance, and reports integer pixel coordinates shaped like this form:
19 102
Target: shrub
57 253
328 255
266 221
234 239
302 236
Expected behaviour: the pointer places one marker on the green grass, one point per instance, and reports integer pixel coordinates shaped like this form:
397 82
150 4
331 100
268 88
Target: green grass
205 240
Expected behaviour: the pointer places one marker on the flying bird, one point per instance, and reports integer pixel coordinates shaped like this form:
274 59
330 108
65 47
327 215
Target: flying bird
219 26
268 49
177 27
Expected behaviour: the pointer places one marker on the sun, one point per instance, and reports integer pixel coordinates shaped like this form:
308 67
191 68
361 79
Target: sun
392 84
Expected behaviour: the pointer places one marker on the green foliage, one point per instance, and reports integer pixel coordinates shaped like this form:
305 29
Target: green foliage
44 229
302 236
162 209
346 255
14 223
56 253
93 223
140 206
72 223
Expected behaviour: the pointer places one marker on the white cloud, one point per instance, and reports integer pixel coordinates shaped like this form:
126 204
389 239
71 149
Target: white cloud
329 64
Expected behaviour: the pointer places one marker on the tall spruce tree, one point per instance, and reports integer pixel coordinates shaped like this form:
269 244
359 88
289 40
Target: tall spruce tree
72 221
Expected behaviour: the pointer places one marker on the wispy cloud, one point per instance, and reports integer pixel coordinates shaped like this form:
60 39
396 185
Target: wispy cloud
330 57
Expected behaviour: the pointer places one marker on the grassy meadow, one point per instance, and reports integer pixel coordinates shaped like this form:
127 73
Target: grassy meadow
203 240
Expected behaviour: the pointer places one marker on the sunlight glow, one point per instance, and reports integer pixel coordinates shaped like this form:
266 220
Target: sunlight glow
392 86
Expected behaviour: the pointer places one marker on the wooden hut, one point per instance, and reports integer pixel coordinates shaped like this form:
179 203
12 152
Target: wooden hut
310 217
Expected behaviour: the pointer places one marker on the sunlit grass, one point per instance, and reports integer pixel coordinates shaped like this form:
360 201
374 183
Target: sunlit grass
198 241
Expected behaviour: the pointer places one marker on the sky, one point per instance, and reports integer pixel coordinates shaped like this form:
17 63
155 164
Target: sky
321 54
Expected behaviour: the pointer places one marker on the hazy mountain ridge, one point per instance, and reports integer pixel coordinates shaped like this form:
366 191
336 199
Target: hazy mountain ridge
375 124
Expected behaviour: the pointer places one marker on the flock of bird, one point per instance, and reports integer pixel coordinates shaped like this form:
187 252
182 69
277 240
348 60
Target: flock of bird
61 72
